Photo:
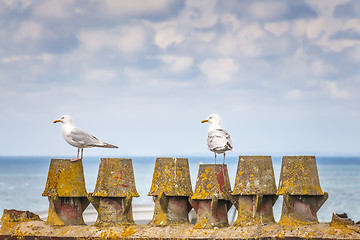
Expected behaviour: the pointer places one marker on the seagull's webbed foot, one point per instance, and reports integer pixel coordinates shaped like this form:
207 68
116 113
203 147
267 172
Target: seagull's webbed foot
75 159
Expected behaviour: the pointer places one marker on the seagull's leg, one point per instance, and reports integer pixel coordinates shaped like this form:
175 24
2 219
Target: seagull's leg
82 153
77 157
215 158
224 159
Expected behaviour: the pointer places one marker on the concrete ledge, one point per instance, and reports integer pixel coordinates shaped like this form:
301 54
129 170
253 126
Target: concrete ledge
41 230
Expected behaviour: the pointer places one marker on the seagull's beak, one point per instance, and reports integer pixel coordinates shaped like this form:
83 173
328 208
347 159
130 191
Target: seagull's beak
56 121
203 121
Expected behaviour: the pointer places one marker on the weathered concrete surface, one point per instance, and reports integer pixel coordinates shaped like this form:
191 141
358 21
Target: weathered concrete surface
31 229
171 188
254 193
300 186
114 190
171 177
65 179
66 191
115 178
299 176
212 196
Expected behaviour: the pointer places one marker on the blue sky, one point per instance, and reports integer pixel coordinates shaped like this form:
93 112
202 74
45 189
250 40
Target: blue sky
283 75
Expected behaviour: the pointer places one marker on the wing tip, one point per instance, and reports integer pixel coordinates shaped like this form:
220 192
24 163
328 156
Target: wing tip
107 145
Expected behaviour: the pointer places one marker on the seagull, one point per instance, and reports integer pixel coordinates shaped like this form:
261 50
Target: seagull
218 139
79 138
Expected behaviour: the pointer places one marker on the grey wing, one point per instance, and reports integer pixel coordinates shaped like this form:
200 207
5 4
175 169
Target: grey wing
219 140
84 138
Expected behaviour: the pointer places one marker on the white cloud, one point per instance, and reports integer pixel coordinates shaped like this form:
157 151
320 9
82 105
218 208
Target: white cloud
320 31
127 39
336 26
336 45
317 27
334 91
305 66
244 42
133 7
314 29
55 10
166 34
199 14
206 37
231 20
28 30
355 53
15 59
325 7
269 9
219 71
299 27
133 39
100 75
251 33
177 63
277 28
142 80
17 4
46 58
322 25
228 44
352 25
295 94
320 68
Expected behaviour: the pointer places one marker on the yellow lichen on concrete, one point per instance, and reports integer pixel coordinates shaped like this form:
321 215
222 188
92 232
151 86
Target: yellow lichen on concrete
53 218
202 223
11 218
128 231
65 179
110 234
314 231
291 222
255 174
171 177
160 217
115 178
213 181
299 176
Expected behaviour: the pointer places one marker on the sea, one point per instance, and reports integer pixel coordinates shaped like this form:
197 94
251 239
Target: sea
23 178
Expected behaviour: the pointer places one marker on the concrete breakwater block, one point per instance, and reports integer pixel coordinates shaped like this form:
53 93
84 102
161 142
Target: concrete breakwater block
255 191
65 189
171 189
114 190
11 218
300 186
211 198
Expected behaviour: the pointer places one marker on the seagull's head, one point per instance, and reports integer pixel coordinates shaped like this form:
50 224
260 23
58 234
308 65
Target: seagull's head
64 119
213 119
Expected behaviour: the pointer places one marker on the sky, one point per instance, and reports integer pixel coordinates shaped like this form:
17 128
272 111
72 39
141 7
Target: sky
283 75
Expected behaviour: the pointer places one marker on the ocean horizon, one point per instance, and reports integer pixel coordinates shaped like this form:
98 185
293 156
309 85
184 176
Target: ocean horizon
23 178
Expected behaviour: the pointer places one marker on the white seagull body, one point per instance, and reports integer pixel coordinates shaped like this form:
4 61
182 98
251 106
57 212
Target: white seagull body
79 138
218 139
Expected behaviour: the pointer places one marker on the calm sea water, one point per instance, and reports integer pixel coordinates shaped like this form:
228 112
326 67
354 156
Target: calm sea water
22 181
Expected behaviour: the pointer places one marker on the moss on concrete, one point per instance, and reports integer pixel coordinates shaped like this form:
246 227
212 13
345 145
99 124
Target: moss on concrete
187 231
